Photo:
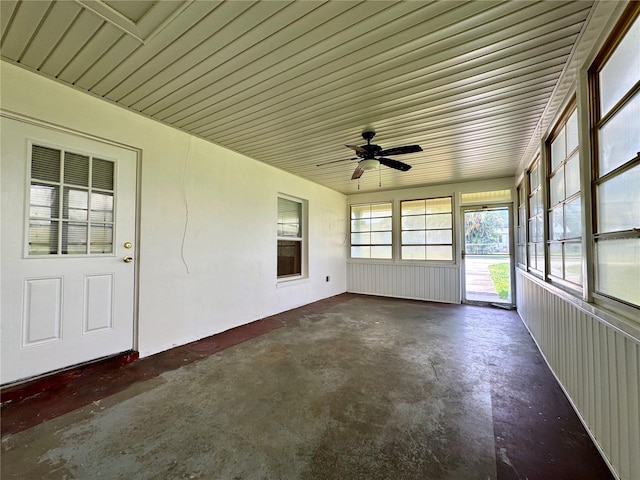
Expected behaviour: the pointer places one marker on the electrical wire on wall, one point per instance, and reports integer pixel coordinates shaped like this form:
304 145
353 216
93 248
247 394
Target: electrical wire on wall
186 204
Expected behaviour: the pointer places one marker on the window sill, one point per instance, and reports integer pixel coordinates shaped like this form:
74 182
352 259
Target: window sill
291 281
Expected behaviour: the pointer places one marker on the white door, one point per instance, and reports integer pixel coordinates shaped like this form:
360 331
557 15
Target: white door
68 222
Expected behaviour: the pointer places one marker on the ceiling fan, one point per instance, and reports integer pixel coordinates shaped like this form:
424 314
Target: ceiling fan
370 156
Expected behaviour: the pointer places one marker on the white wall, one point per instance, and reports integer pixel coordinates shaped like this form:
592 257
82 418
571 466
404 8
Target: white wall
207 239
419 280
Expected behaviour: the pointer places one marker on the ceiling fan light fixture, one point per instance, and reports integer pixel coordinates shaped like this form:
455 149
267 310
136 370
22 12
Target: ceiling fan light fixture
369 164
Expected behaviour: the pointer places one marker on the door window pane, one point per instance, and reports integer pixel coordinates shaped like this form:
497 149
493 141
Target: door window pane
76 169
101 238
74 238
102 174
45 163
44 201
43 237
75 204
102 207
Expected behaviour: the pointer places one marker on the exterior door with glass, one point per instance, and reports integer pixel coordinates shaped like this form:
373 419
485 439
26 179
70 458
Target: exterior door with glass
486 255
68 228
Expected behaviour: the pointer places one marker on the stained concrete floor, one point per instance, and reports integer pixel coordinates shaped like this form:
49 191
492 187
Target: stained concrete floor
362 388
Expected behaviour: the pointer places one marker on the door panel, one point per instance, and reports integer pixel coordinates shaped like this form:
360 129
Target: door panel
64 301
487 259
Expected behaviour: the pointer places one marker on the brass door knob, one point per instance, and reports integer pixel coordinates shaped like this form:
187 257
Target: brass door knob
128 259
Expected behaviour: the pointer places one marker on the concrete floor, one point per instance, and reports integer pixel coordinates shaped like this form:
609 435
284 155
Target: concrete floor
353 388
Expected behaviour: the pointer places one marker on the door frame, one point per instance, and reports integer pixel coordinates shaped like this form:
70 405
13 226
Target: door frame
137 207
463 286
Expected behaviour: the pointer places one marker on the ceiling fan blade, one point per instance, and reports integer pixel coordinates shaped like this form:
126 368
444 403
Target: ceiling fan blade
357 148
401 150
394 164
357 173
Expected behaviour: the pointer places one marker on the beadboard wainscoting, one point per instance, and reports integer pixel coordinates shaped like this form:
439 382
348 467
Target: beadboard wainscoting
439 283
596 358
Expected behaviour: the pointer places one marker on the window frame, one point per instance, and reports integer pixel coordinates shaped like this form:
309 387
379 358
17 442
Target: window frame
597 121
390 230
561 129
452 245
536 243
521 224
62 185
302 238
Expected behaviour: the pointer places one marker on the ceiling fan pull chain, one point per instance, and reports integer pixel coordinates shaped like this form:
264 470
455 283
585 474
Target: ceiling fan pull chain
379 177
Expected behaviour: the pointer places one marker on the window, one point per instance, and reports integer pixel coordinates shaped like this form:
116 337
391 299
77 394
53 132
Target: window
615 92
371 231
70 203
290 237
522 222
535 230
427 229
565 212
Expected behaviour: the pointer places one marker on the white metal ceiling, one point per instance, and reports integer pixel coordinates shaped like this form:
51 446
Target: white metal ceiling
290 83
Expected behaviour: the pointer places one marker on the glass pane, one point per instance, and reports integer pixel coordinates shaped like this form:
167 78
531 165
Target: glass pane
43 237
289 258
417 237
618 269
360 238
439 253
532 230
556 224
415 207
533 204
360 252
438 205
439 236
572 132
363 225
539 230
76 169
378 224
620 137
558 150
572 175
45 163
532 255
75 204
534 178
573 262
102 207
74 238
442 220
381 252
622 70
619 202
413 253
101 238
381 238
289 218
381 210
555 259
44 201
414 223
102 174
557 187
360 211
573 219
